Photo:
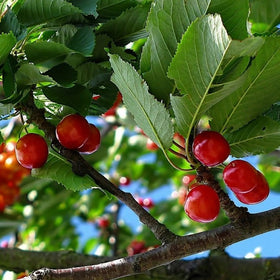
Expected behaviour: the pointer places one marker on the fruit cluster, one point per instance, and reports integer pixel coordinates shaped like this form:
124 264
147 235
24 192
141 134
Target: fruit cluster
247 183
11 175
73 132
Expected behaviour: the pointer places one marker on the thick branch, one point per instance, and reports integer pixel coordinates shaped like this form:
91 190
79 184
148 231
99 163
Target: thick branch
211 267
182 246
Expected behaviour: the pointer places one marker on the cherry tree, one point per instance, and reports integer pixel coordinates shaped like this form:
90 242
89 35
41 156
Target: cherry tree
160 93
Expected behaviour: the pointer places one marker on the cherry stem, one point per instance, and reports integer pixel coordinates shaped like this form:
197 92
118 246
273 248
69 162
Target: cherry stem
176 153
179 146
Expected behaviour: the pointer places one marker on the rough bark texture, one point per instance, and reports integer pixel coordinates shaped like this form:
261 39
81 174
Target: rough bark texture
217 266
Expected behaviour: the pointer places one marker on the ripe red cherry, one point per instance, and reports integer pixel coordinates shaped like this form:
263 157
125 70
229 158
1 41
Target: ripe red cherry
187 179
72 131
31 151
103 222
136 247
150 145
125 181
258 194
202 204
240 176
93 142
210 148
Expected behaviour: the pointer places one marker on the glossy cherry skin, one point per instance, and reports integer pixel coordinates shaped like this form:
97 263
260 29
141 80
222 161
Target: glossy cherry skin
72 131
202 204
258 194
210 148
32 151
93 142
240 176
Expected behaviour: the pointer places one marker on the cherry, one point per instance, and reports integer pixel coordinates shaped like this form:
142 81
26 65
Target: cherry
210 148
73 131
136 247
150 145
145 202
124 181
2 203
187 179
258 194
103 222
202 204
31 151
148 203
240 176
93 142
112 110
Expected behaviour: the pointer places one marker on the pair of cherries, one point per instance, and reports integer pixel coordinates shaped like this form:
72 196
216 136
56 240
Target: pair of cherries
73 132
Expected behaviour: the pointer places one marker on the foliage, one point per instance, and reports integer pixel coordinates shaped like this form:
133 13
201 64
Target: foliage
181 67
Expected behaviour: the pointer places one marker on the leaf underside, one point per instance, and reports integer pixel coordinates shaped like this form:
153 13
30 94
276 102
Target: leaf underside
149 114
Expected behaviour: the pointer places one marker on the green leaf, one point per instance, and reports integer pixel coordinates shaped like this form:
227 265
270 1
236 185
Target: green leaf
7 42
60 171
149 114
10 23
47 54
92 74
167 22
63 74
83 41
234 15
77 97
29 74
129 26
113 8
256 95
264 15
260 136
8 76
87 6
194 68
248 47
39 11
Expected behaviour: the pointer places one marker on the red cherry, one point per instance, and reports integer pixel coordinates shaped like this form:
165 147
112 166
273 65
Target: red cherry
240 176
136 247
31 151
187 179
103 222
258 194
148 203
124 181
72 131
93 142
210 148
2 203
181 140
112 110
202 204
150 145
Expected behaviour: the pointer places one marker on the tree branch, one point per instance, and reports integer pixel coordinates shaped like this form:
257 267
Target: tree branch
211 267
181 247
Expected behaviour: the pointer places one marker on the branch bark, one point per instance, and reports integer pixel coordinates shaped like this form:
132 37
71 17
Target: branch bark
220 266
218 238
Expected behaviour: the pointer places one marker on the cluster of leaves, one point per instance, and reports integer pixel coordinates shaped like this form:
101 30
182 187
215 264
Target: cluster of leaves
174 62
